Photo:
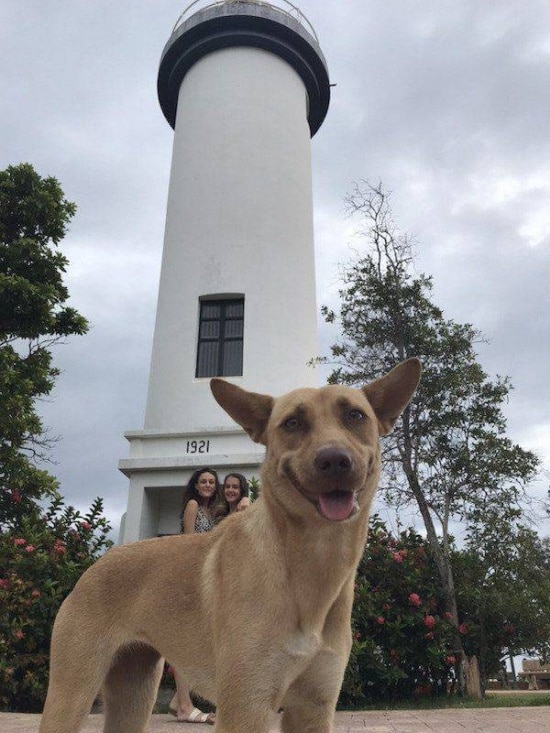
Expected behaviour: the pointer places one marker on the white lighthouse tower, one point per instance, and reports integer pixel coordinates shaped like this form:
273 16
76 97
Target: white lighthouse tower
245 86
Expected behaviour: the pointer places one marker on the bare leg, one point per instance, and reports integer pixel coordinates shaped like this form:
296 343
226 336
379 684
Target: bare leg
181 704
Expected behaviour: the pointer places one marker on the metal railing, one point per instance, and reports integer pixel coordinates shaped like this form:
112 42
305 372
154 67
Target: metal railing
288 9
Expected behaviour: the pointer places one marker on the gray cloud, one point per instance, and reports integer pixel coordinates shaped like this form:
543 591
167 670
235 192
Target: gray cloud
445 102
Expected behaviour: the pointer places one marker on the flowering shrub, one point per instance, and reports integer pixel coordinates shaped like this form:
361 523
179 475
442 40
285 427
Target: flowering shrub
41 558
402 642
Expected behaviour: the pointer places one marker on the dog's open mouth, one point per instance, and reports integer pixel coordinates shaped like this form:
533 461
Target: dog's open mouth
337 505
334 505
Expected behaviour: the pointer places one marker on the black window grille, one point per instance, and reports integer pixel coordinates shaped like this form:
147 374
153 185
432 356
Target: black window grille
220 347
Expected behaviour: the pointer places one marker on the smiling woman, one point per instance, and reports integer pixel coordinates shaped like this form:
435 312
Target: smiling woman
201 495
235 493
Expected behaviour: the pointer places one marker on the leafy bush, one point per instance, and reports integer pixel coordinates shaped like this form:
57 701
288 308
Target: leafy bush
402 641
44 546
41 557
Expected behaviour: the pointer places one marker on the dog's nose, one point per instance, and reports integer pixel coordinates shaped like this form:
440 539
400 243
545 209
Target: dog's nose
333 461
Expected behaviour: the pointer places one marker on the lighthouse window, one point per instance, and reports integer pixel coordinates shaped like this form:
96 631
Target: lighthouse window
220 347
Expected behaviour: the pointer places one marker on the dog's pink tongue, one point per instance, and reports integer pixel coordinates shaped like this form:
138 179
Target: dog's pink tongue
337 505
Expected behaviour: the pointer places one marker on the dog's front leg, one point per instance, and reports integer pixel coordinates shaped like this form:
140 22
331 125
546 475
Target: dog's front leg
247 693
243 711
249 719
310 701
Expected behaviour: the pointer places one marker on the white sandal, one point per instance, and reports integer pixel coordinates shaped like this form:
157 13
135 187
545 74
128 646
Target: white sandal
197 716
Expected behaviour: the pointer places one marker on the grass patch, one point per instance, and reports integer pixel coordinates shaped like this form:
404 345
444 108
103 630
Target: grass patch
509 700
517 699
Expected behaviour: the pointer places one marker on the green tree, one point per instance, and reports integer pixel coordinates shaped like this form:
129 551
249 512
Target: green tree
44 545
503 591
34 216
449 454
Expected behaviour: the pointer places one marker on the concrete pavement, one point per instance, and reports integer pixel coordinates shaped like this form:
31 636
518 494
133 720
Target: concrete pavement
484 720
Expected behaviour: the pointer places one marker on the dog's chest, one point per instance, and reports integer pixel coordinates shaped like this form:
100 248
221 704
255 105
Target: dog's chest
302 644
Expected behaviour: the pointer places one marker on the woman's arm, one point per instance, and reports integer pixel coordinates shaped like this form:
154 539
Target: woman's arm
189 516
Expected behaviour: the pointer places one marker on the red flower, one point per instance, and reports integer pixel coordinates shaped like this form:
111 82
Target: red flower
429 622
30 548
397 557
16 497
19 634
448 615
463 629
20 541
414 599
380 620
59 547
86 526
35 594
4 583
451 659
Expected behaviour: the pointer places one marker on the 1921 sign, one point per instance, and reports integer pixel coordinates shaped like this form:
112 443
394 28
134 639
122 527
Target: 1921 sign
197 446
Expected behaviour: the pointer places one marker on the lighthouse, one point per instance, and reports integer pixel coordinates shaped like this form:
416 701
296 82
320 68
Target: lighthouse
245 86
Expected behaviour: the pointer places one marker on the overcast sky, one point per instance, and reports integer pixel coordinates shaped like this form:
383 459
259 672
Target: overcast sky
447 102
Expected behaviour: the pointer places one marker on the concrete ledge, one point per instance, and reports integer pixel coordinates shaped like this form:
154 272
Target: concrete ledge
129 466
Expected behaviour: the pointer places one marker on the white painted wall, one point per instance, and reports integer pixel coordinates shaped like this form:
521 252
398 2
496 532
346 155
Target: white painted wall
239 220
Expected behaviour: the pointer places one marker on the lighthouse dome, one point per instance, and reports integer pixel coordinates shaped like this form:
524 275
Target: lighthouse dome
281 29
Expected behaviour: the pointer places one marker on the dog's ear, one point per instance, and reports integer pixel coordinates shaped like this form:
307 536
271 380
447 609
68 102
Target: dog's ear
249 409
390 394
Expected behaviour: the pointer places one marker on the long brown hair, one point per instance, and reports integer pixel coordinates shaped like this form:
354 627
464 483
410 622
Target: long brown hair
222 510
192 493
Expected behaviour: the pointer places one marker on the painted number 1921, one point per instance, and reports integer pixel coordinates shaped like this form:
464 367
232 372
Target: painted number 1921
197 446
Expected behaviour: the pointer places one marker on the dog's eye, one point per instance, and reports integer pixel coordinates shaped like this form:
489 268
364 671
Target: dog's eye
291 423
355 416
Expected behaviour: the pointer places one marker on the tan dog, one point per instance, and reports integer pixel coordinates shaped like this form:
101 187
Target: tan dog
255 615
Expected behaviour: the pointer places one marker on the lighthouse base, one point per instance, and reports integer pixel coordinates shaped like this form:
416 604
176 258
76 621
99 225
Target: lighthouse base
160 466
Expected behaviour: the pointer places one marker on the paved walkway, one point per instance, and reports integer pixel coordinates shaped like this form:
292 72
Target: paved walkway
487 720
